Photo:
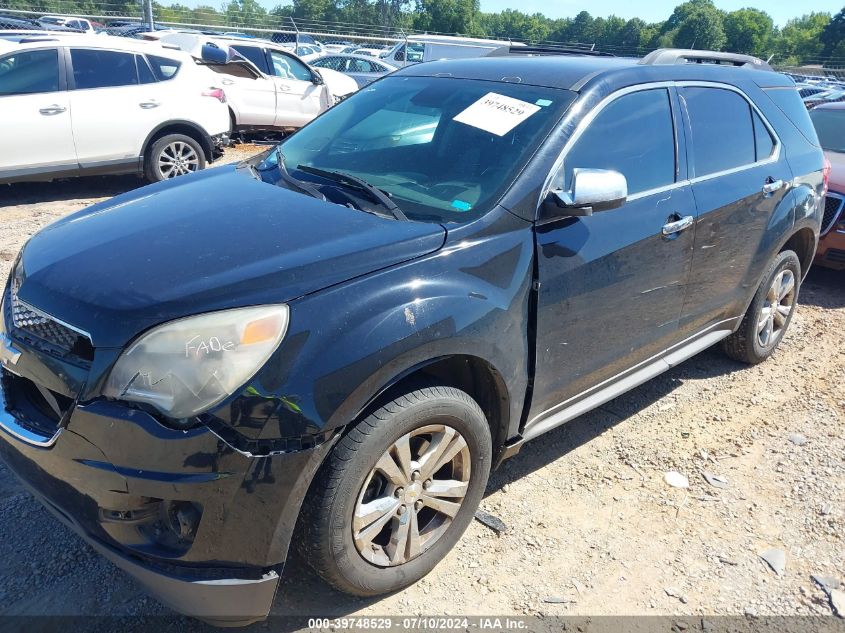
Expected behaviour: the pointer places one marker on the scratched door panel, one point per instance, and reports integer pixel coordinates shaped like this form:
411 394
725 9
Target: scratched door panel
611 291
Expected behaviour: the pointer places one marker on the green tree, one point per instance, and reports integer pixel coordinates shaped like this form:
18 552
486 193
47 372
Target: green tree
833 34
702 27
800 39
446 16
749 31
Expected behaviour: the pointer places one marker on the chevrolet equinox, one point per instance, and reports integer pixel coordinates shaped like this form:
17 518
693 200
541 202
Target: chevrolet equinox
331 344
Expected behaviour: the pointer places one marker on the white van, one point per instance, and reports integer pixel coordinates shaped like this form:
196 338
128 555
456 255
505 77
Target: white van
423 48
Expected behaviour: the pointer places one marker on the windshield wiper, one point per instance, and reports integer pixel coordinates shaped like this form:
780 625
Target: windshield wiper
293 183
375 194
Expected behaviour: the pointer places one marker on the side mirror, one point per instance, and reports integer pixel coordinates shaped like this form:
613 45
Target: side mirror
593 190
317 78
214 54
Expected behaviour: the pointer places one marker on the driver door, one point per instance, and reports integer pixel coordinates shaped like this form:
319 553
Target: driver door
612 284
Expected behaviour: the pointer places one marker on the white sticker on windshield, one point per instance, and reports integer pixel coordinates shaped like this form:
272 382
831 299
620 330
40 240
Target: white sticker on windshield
496 113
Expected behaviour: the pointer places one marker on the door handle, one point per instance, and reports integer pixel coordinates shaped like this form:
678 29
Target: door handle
53 109
677 226
770 186
148 105
227 82
284 87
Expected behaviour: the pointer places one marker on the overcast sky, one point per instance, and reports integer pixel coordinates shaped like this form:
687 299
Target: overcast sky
658 10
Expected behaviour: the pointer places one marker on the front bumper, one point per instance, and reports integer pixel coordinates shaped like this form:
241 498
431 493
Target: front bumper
120 479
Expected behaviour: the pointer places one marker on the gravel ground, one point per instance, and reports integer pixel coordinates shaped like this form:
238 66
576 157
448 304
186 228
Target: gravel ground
592 526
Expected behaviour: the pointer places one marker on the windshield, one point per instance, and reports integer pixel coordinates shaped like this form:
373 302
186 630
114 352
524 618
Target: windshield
830 126
443 149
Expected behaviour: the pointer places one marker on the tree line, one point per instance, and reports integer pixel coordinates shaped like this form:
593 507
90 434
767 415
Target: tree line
814 37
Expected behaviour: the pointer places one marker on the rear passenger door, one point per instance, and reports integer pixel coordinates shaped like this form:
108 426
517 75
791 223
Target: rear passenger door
35 122
739 178
113 113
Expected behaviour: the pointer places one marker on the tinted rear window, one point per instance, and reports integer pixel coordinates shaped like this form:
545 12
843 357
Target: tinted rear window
722 132
256 56
102 69
790 103
163 67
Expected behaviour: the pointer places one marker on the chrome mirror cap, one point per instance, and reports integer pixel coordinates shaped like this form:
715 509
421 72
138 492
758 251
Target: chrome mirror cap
593 190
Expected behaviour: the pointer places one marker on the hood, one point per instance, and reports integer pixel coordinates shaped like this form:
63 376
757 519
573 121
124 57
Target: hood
837 171
338 83
213 240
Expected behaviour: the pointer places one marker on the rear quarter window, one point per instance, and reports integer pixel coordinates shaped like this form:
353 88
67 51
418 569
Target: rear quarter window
789 102
163 68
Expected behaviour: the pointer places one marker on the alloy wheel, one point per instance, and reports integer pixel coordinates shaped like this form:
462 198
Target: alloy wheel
411 496
176 159
779 303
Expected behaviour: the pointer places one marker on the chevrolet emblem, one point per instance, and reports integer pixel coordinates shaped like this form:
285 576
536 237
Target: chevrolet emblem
9 354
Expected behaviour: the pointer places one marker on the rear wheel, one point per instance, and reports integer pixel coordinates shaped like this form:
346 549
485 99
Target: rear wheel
769 314
397 492
173 155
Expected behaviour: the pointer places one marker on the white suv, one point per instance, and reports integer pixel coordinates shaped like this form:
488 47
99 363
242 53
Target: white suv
105 105
277 91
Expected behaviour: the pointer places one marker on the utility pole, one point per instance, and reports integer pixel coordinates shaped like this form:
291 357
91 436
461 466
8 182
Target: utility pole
147 6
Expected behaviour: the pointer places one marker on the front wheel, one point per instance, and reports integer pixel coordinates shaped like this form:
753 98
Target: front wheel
769 314
397 492
173 155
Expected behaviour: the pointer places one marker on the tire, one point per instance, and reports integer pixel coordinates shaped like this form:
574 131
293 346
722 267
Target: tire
750 343
183 152
352 477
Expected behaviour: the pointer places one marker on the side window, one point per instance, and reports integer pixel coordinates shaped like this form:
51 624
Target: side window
256 56
415 52
94 68
334 63
145 75
399 55
360 66
763 142
163 68
722 132
29 72
633 135
288 67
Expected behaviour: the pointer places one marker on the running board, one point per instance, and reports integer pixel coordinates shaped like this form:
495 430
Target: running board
616 387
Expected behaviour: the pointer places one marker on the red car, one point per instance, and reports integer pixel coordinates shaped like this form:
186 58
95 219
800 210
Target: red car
829 120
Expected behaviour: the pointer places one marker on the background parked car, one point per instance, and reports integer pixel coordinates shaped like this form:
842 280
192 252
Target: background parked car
829 120
137 108
361 68
272 89
828 96
423 48
369 51
20 23
79 24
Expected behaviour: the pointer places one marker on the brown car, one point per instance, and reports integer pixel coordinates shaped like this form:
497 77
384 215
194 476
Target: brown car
829 120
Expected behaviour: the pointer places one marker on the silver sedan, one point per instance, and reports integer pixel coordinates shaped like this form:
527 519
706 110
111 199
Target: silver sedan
361 68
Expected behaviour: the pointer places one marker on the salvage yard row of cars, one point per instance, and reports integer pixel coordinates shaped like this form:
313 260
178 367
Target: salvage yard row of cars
93 104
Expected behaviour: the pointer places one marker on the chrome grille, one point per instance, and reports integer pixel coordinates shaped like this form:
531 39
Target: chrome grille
832 210
30 321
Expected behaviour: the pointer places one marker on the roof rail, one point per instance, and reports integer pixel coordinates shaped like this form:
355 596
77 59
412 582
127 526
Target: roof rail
689 56
504 51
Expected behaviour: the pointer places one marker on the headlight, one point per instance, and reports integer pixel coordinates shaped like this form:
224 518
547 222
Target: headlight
185 367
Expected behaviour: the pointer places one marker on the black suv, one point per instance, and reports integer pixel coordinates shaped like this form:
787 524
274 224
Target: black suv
348 331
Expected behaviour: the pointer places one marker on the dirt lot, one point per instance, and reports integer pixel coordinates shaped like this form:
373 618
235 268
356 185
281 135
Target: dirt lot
592 526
